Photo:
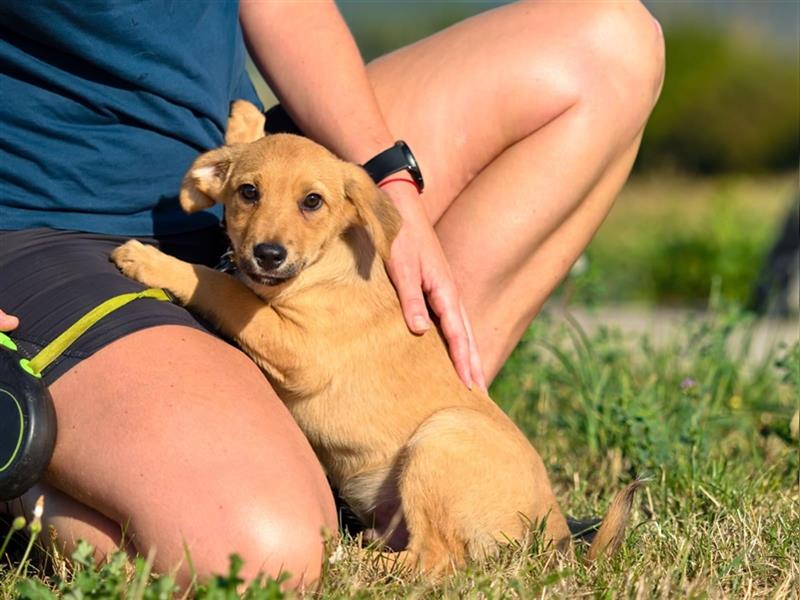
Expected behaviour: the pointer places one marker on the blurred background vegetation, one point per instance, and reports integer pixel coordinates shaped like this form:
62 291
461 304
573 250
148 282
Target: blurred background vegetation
717 172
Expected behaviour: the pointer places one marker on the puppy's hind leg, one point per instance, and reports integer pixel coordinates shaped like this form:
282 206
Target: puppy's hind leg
469 482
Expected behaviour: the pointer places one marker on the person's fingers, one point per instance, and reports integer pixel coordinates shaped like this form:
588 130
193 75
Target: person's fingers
8 322
418 269
445 303
476 368
407 282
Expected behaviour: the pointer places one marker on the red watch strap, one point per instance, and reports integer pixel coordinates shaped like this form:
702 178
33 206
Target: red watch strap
394 179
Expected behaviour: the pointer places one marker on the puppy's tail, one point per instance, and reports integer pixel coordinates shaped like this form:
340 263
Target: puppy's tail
612 531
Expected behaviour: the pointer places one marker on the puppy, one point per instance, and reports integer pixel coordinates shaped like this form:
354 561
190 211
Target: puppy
434 467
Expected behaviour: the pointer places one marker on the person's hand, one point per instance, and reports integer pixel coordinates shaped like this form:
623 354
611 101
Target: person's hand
419 269
8 322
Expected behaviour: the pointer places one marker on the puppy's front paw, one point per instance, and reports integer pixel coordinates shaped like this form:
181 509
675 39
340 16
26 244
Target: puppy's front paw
145 264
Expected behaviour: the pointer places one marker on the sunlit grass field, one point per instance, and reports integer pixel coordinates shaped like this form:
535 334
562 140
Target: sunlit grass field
669 237
713 430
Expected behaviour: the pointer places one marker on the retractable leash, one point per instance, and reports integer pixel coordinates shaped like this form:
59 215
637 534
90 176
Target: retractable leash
27 417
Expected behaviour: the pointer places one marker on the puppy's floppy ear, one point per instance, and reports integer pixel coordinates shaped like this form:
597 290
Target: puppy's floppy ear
203 182
245 123
375 211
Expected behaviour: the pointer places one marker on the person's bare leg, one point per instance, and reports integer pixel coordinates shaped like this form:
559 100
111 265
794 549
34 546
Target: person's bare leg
67 521
176 438
526 120
526 262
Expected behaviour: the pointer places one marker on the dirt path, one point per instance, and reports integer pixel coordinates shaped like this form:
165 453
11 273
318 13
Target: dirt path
661 323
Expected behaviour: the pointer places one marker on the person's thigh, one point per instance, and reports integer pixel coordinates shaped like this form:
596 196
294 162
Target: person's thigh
165 432
463 96
177 436
525 120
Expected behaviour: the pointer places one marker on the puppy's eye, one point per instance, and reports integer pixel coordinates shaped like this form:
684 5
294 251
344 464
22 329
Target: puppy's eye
311 202
248 192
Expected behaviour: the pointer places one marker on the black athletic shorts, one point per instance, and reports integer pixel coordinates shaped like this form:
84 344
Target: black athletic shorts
50 279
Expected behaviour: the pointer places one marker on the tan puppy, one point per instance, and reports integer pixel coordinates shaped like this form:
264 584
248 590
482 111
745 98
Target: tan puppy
433 466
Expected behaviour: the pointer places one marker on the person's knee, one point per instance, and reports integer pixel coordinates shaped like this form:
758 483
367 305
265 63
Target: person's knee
288 543
606 62
620 77
270 542
624 48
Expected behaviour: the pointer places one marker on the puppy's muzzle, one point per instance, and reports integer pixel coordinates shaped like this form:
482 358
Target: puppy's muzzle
269 256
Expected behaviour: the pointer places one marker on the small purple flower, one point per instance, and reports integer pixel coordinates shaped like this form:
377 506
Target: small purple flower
688 383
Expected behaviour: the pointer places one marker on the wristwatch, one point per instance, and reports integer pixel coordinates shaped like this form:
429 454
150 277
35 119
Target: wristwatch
397 158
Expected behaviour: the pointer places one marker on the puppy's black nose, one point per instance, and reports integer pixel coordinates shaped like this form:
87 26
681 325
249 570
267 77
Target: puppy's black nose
269 256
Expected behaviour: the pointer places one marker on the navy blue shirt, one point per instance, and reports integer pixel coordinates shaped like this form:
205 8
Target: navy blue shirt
105 104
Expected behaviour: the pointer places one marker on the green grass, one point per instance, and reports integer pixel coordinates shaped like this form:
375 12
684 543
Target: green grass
668 237
712 430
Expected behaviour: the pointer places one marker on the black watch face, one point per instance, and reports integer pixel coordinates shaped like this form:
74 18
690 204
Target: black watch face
413 167
412 162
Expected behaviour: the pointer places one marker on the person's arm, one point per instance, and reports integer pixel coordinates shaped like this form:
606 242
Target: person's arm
309 58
